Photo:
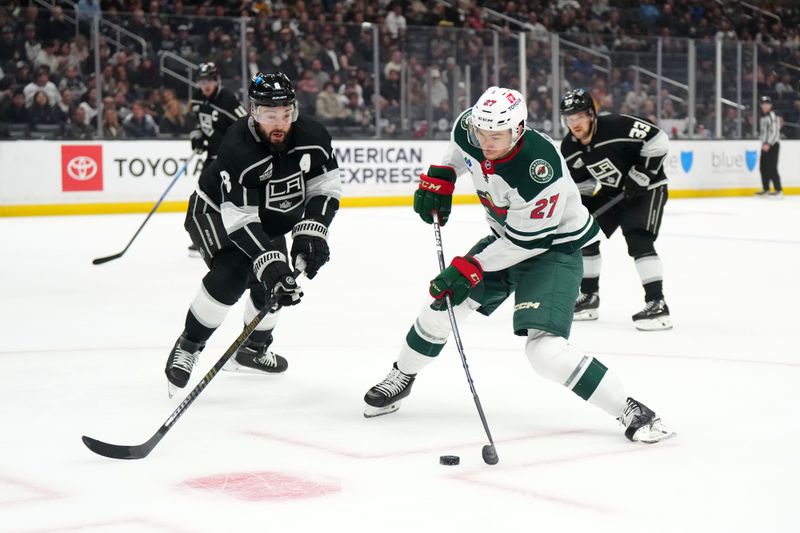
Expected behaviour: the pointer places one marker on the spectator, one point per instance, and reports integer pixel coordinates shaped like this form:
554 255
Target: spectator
395 21
320 76
112 129
174 121
77 128
139 125
146 75
438 90
89 104
328 56
15 111
42 111
329 106
307 90
67 102
42 83
57 27
30 44
184 47
72 81
355 113
8 48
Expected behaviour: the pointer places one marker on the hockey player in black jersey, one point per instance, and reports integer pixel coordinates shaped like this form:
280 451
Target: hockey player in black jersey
610 155
275 173
215 109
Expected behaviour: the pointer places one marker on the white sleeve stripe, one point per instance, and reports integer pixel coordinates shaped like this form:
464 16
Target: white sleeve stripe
240 111
327 184
250 233
310 147
576 154
223 111
235 217
657 146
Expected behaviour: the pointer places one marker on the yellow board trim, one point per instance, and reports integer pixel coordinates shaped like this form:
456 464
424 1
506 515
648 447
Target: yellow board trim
366 201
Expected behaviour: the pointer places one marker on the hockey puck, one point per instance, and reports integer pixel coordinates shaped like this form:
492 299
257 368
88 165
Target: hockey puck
449 460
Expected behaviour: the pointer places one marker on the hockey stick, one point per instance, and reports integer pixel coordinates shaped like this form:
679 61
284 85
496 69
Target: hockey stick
608 205
181 172
140 451
488 452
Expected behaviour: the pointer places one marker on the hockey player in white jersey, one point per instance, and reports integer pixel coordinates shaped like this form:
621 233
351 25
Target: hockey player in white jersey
537 228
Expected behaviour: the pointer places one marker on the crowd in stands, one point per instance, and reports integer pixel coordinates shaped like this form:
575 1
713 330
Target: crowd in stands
49 88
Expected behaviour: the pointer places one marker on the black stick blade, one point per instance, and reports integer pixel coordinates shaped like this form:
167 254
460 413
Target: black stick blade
114 451
101 260
490 454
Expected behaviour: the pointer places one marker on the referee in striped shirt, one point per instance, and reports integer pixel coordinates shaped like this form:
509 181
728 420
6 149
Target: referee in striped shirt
770 148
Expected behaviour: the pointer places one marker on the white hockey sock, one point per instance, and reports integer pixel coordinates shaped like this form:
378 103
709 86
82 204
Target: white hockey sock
411 362
208 311
650 269
428 336
554 358
268 323
591 266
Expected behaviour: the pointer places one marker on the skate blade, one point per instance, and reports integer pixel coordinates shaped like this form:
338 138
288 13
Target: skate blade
655 433
171 389
586 314
233 366
653 324
372 412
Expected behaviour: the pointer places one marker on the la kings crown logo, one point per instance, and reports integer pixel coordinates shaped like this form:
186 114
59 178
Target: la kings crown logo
285 194
605 171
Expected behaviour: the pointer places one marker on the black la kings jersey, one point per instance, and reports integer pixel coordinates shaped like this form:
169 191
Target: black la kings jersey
619 143
263 194
214 116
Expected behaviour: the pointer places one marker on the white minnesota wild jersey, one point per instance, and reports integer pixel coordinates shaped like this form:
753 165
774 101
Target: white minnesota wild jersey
532 204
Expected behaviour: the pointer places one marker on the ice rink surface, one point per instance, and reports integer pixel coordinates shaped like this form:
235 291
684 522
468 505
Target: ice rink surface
83 349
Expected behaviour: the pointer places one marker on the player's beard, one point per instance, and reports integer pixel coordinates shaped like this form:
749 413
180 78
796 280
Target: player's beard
276 142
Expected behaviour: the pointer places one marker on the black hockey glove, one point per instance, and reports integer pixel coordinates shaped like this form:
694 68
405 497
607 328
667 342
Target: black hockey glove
199 142
309 239
637 182
272 268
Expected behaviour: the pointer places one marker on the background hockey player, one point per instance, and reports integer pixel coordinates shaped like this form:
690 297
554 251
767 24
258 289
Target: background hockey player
215 109
275 173
610 155
537 228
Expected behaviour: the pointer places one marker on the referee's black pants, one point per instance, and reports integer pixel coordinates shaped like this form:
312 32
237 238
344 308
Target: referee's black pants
769 168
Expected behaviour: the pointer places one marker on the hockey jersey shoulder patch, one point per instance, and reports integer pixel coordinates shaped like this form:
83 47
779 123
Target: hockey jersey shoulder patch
541 171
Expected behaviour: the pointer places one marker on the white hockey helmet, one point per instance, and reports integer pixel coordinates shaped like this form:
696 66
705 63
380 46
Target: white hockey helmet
498 109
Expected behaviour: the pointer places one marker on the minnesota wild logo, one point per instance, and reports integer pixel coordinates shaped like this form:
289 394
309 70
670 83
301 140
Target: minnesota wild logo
541 171
465 120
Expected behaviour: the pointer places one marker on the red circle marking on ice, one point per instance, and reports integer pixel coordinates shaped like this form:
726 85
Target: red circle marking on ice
263 486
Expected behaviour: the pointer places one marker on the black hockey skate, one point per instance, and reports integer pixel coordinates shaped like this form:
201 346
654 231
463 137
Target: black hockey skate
642 424
586 306
256 359
180 363
654 316
385 397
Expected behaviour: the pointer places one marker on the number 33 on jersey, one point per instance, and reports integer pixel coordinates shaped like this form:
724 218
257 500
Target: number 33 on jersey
532 204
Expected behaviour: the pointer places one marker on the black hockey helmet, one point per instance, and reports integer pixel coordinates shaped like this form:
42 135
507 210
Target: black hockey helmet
765 100
272 89
207 71
575 101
